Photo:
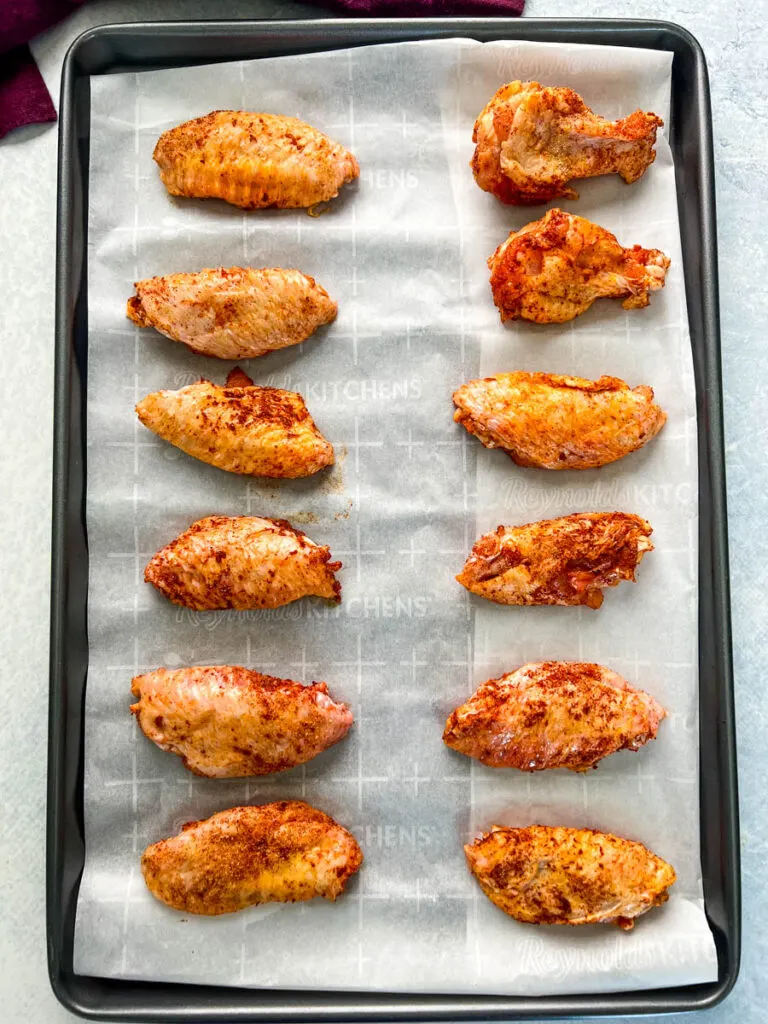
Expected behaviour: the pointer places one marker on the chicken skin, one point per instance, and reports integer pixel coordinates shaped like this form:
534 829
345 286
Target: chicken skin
283 852
241 428
235 312
533 139
253 160
242 562
553 422
553 269
228 722
557 561
553 714
543 875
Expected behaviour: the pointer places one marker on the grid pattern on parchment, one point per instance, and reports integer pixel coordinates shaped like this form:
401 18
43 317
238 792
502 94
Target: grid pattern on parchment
403 253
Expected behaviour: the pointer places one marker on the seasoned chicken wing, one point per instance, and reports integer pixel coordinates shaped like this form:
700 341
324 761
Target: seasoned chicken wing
241 428
228 722
276 853
557 561
532 140
543 875
554 422
253 160
242 562
553 269
234 313
553 714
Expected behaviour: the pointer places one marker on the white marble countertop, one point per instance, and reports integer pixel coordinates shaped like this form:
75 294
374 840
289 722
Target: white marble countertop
730 35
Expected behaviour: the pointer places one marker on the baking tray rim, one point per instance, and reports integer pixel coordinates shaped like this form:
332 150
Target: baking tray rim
213 1002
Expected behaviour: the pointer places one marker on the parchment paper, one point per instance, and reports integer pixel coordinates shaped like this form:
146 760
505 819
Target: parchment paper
404 254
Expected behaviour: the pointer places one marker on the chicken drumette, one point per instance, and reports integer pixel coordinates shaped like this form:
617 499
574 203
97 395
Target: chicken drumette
242 562
553 714
276 853
228 722
532 139
253 160
240 427
543 875
564 561
555 422
553 269
235 312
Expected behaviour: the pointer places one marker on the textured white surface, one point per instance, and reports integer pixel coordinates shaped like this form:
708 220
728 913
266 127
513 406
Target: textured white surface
732 37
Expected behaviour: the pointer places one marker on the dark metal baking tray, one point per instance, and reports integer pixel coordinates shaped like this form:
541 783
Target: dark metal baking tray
139 47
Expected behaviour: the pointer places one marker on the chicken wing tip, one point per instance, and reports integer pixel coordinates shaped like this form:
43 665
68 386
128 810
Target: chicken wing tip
135 311
238 378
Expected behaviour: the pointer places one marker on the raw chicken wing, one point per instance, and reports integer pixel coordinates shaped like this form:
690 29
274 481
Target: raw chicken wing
276 853
234 313
554 422
557 561
242 562
227 722
553 269
532 139
543 875
253 160
240 427
553 714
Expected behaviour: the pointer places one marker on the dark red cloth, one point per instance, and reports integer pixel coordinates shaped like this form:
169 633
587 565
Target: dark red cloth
22 20
24 98
429 8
